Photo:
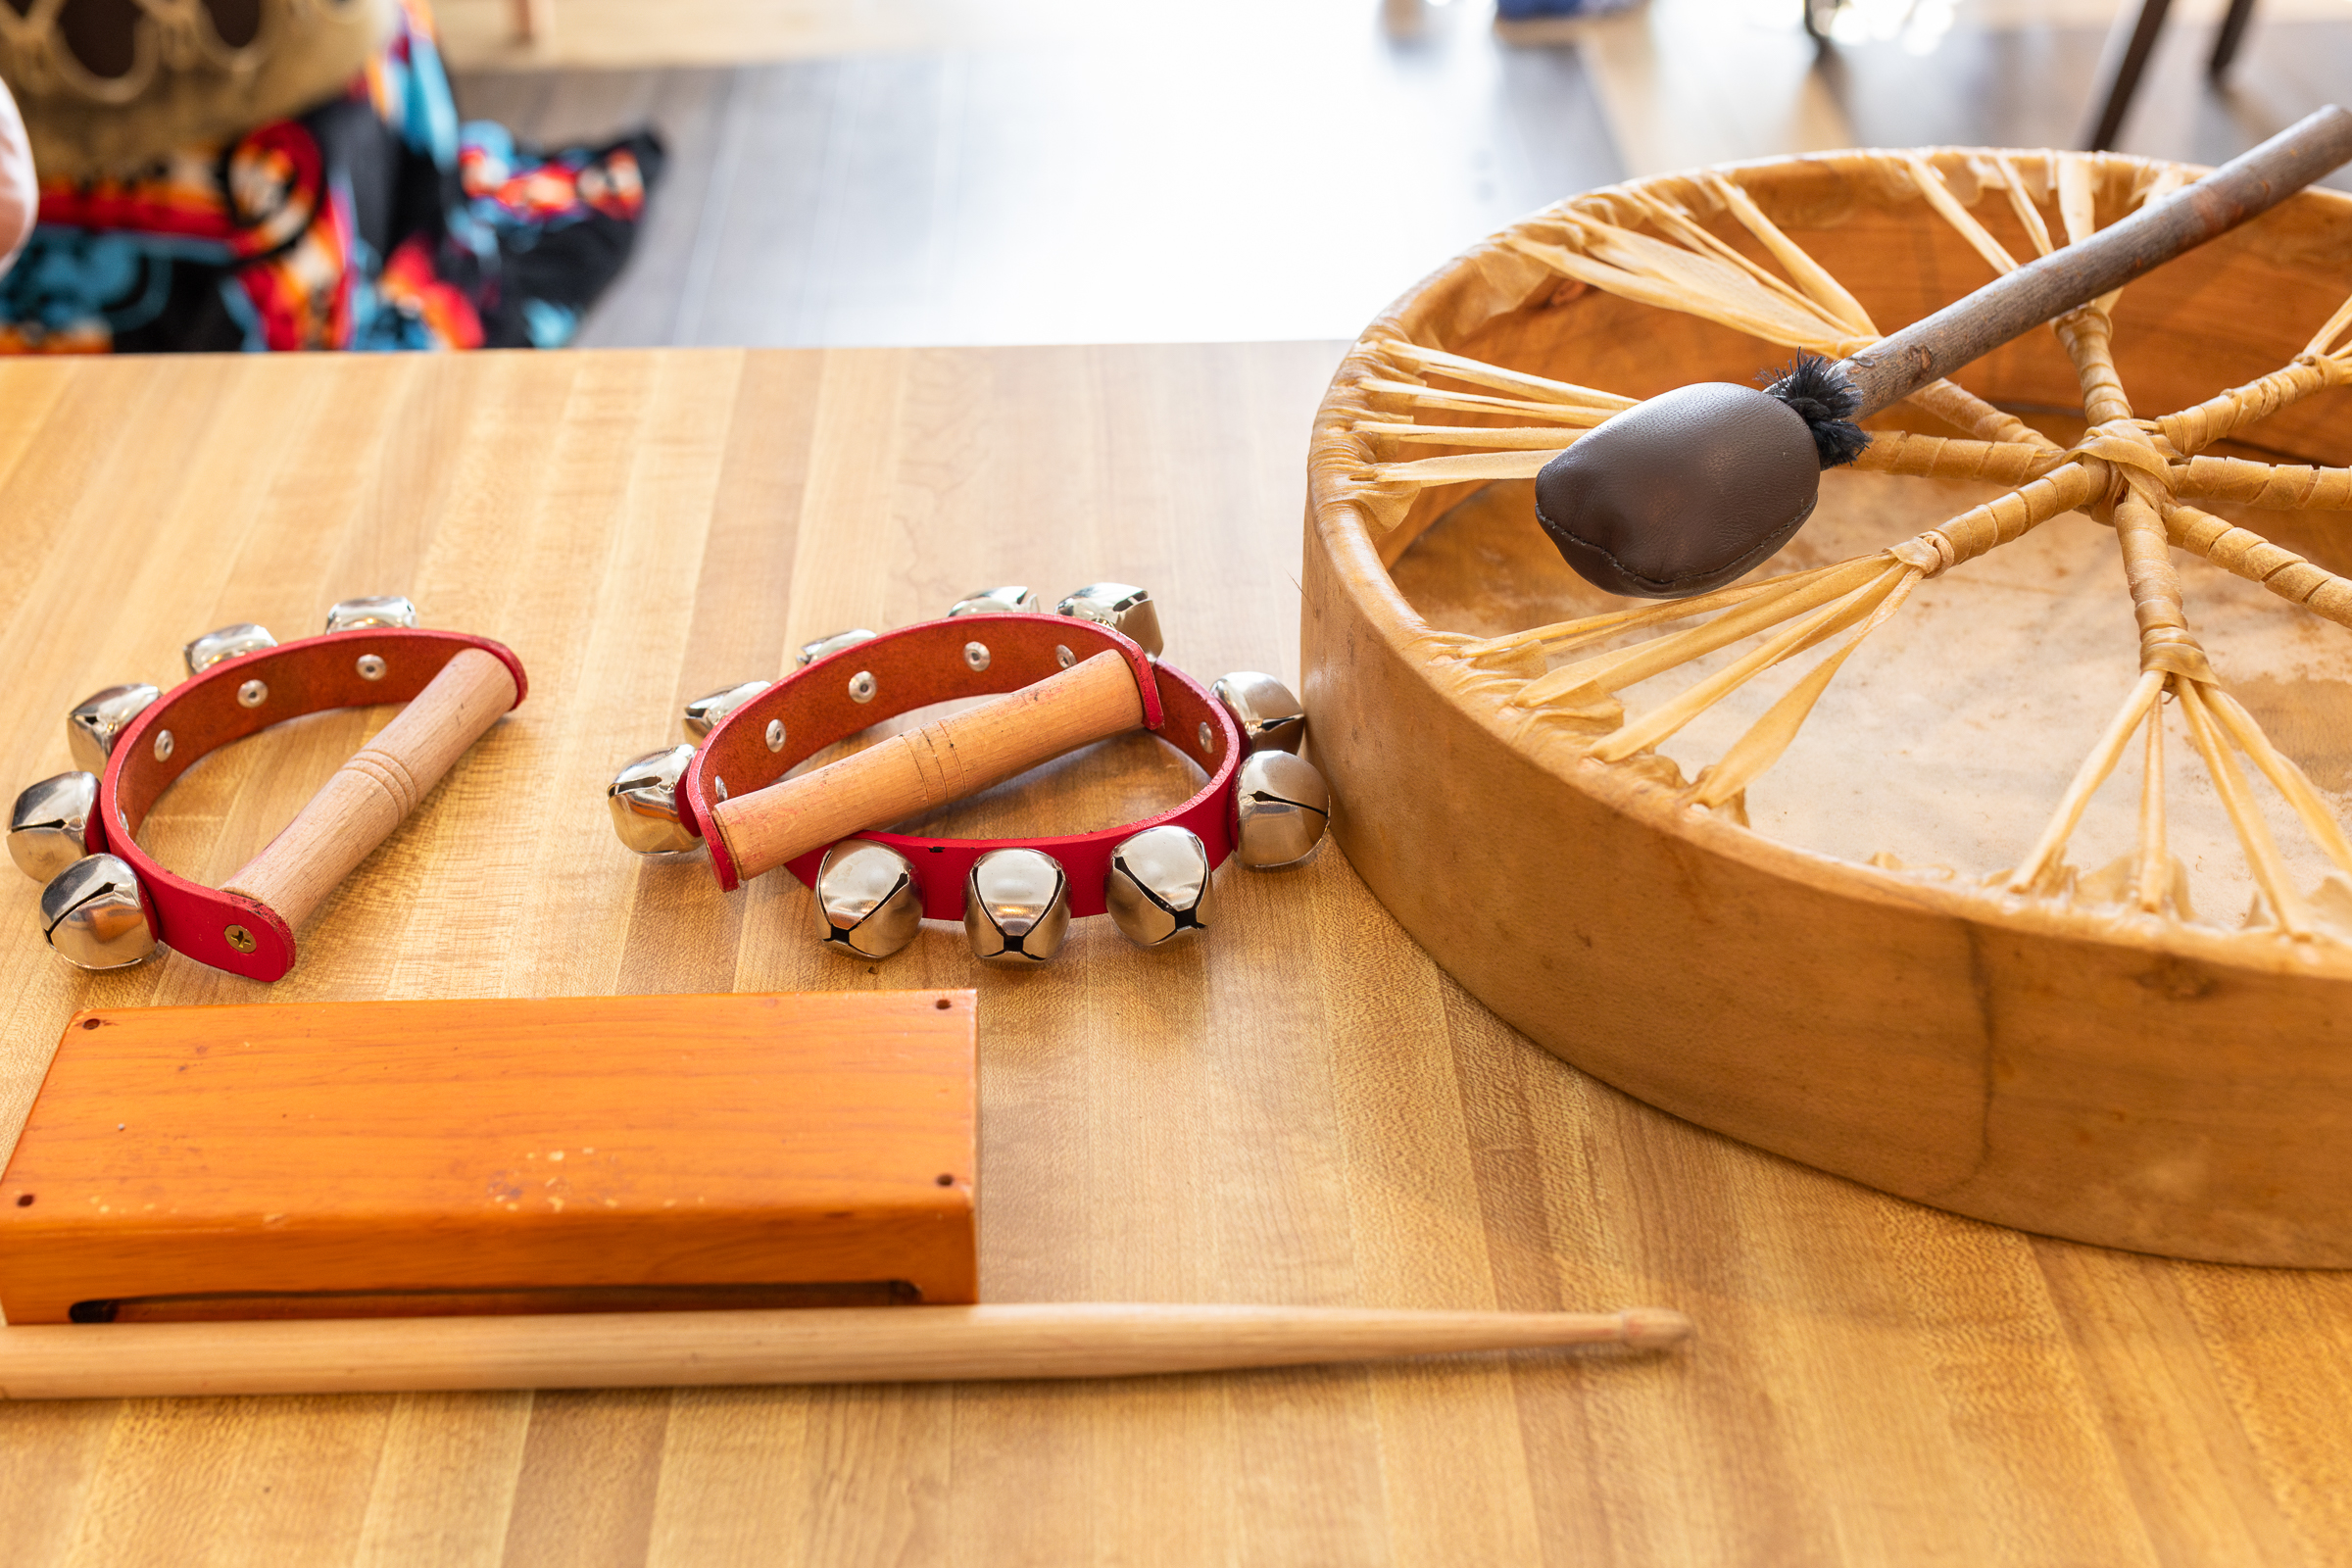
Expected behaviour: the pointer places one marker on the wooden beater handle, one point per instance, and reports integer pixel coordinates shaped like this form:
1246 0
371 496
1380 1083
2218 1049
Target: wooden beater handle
837 1345
945 761
381 784
2015 303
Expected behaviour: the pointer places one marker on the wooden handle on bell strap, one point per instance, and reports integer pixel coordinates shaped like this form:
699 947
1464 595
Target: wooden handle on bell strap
372 794
2245 188
945 761
841 1344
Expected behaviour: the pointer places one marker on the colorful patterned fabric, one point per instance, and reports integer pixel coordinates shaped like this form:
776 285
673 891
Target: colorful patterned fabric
375 222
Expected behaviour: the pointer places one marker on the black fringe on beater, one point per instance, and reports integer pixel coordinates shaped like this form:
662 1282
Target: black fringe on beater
1824 400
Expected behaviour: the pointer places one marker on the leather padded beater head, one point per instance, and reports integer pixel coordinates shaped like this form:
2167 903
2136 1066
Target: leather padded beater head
1683 493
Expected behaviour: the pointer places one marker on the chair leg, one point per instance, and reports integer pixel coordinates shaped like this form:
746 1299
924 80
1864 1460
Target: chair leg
2225 42
532 21
2125 81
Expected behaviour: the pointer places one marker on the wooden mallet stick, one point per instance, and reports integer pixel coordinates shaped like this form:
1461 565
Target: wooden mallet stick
945 761
1696 487
847 1345
374 792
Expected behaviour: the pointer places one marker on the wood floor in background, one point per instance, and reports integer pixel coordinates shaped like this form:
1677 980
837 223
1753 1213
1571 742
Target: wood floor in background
606 33
1056 194
1063 192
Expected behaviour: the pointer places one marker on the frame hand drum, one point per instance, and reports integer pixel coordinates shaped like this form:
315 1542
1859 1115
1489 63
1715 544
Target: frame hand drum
1943 859
111 905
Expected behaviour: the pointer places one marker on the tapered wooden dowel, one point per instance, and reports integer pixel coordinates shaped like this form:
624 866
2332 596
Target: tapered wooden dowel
906 774
372 794
658 1350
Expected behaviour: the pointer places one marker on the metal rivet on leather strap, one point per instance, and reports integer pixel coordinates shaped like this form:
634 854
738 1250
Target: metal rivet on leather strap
775 735
976 655
1207 740
163 746
253 694
718 785
861 686
370 667
1062 655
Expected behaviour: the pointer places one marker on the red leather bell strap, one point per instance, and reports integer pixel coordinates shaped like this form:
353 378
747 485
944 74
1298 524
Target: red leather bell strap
918 665
234 699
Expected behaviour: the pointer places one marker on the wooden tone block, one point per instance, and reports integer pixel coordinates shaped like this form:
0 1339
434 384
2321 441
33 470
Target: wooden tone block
341 1159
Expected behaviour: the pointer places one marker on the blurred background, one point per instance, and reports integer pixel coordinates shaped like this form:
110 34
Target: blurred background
962 171
294 173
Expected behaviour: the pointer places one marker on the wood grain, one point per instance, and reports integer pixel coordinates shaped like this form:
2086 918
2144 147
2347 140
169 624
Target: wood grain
1303 1109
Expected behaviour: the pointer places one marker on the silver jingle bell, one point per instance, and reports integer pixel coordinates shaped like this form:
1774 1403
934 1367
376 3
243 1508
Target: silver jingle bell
1016 906
1158 888
996 602
1284 806
91 913
368 614
46 826
98 718
229 642
809 653
1270 717
644 798
1123 607
704 711
869 905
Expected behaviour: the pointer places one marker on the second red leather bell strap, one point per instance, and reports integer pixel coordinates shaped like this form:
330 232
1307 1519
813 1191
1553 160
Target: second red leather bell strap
915 666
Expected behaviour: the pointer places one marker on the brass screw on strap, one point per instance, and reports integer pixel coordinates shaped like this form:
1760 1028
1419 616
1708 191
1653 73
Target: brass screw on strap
240 938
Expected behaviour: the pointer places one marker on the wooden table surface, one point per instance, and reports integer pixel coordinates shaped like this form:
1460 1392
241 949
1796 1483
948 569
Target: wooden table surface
1301 1109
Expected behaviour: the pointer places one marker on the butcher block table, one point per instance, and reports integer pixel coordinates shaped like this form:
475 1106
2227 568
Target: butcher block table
1299 1108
